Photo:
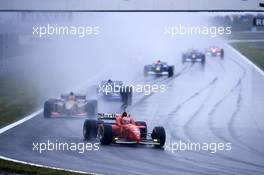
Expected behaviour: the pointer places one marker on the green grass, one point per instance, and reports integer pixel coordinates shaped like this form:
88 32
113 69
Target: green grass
17 98
253 51
245 36
17 168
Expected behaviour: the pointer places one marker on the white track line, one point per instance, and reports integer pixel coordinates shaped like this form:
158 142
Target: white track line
43 166
246 60
12 125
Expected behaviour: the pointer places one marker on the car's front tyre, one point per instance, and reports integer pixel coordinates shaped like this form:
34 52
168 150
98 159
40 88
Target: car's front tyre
105 134
89 129
48 105
159 134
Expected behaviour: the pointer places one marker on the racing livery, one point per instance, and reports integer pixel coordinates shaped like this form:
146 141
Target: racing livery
159 68
115 90
70 105
193 56
122 129
215 51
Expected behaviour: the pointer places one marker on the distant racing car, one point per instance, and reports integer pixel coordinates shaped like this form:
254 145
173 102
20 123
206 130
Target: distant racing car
159 68
215 51
122 129
115 90
70 105
193 55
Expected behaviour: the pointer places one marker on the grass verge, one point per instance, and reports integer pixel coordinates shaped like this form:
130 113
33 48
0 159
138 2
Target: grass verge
17 98
8 167
254 51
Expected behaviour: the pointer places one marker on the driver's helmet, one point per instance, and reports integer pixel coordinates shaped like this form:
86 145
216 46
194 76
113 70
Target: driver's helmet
125 114
71 96
109 81
158 62
125 120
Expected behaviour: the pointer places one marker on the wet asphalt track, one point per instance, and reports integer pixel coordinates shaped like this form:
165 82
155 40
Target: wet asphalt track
220 102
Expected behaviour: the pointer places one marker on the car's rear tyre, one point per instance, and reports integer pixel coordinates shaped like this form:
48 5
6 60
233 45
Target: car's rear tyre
89 129
222 53
203 59
48 107
146 70
105 134
143 131
159 134
126 95
170 71
91 108
183 59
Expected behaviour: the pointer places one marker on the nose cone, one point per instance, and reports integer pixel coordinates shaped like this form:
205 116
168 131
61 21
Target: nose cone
137 137
136 134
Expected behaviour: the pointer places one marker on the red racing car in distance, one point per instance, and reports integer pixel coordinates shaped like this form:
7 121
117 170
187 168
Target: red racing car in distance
215 51
108 129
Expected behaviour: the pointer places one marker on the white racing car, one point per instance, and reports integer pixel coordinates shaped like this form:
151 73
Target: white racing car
70 105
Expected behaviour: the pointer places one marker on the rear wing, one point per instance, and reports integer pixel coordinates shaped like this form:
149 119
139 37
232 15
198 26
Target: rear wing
77 96
104 116
115 82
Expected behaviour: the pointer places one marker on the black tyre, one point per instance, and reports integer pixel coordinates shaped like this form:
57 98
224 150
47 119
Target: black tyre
159 134
126 95
170 71
91 108
203 59
222 53
183 59
105 134
48 107
143 131
146 69
89 129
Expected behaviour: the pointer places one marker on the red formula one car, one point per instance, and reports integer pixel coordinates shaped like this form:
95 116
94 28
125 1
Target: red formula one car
70 105
215 51
122 129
